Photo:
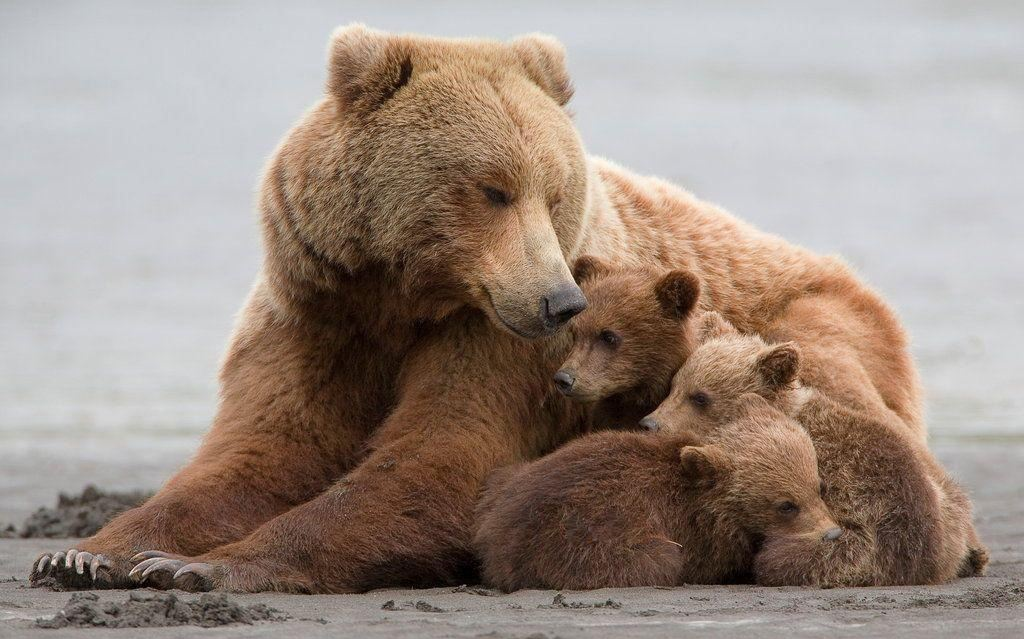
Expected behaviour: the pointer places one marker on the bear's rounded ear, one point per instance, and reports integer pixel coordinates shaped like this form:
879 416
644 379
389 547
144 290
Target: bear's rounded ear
543 58
677 292
702 466
588 267
752 403
779 365
713 326
366 67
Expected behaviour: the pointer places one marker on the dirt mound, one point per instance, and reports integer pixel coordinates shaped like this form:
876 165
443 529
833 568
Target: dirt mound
156 609
80 515
561 602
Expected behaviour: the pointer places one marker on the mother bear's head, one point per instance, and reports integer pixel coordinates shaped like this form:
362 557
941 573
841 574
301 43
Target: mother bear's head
451 164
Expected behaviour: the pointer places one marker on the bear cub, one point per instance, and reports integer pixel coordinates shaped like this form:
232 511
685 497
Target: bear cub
621 363
618 509
905 520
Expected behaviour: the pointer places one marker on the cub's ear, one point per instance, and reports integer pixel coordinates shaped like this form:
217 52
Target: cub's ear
702 466
779 365
588 267
543 58
677 292
366 67
713 326
752 403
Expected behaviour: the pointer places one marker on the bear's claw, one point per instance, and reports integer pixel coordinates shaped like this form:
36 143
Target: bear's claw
100 562
58 558
41 569
196 577
164 571
75 570
157 572
149 554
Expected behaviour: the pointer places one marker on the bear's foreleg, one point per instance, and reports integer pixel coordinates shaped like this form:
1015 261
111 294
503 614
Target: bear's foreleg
295 411
403 517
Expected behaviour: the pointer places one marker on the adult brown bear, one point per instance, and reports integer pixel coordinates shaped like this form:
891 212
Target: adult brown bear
400 340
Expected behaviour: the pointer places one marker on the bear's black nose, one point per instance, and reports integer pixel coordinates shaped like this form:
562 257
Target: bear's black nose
562 304
832 534
564 381
649 423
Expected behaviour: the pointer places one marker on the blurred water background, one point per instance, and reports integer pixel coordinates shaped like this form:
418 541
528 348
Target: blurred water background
132 136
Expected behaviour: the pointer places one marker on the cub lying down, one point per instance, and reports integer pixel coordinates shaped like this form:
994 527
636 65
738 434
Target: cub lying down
904 520
634 509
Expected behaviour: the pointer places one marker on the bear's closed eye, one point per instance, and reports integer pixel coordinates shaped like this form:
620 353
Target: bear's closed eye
497 197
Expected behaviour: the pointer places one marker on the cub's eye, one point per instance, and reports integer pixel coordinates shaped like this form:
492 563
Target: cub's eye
610 338
497 197
788 508
700 399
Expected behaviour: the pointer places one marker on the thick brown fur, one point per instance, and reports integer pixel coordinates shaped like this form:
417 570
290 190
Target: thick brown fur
632 509
636 332
905 520
413 221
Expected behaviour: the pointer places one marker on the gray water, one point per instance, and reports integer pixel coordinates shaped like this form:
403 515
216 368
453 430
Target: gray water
132 135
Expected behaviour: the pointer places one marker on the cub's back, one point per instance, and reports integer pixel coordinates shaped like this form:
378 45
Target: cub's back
877 484
589 515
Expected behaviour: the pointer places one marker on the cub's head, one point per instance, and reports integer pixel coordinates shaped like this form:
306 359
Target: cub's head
766 470
450 163
725 365
635 333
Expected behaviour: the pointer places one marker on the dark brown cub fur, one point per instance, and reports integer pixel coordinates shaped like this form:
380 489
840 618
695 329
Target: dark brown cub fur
634 509
634 335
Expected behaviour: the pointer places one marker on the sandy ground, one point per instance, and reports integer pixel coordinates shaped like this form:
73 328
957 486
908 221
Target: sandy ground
991 606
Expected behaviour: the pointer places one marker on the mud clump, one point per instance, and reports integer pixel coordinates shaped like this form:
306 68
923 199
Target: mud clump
156 609
421 605
477 590
560 601
80 515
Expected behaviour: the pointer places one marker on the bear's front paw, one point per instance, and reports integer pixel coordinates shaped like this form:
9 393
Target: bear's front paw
162 570
217 571
75 569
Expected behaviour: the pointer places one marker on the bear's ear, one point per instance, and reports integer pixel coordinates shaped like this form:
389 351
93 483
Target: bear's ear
588 267
543 58
366 67
713 326
677 292
751 404
779 365
702 466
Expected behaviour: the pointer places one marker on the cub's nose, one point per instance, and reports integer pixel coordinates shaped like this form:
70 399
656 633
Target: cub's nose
561 305
832 534
649 423
564 380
